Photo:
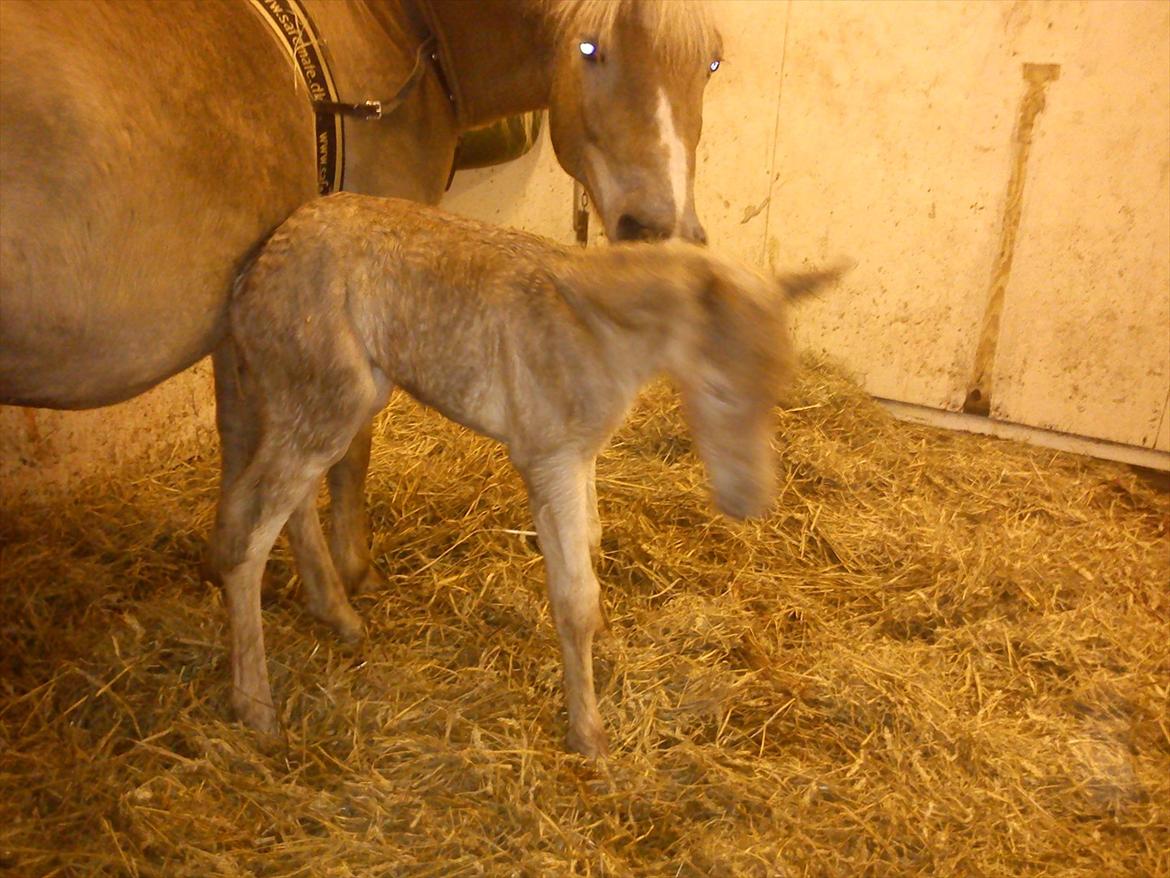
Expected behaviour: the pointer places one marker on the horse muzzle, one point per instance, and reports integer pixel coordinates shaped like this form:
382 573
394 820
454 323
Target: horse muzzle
635 227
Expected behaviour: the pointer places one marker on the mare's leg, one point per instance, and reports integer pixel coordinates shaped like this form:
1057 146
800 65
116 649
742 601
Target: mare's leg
558 492
252 510
349 537
324 594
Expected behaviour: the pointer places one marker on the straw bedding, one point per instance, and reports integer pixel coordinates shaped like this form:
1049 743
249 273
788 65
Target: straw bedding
940 655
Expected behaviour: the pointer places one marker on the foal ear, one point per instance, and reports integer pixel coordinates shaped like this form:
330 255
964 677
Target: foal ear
724 305
801 285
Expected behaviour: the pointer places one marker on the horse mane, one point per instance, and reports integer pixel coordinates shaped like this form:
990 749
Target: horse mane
680 30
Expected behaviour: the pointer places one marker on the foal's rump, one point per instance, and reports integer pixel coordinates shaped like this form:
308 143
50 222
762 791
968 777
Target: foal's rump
305 371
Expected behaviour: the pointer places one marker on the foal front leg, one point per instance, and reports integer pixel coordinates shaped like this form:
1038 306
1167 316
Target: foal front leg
559 496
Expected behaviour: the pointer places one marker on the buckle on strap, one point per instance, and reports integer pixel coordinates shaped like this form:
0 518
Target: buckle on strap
367 110
364 110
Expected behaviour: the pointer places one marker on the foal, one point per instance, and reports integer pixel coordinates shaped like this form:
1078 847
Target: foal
538 346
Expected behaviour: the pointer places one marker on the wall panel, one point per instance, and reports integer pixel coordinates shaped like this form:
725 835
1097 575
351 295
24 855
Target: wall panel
1085 339
892 148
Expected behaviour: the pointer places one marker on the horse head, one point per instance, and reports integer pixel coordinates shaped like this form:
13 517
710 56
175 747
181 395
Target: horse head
626 110
737 366
730 377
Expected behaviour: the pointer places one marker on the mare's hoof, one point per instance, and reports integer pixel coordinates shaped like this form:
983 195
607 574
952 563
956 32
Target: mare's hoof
369 582
592 743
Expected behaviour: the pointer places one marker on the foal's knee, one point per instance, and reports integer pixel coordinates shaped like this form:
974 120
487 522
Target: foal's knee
235 522
577 607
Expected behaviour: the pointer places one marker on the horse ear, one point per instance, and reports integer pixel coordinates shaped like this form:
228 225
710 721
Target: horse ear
719 311
709 297
801 285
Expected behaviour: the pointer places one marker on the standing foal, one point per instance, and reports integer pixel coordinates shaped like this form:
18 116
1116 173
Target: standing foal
538 346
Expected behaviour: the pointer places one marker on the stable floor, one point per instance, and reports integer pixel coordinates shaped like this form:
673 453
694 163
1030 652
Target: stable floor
941 654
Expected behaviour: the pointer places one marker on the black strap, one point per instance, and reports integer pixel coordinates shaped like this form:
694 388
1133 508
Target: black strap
293 27
380 109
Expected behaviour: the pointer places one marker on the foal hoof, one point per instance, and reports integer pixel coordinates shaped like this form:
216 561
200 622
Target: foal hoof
348 625
259 717
593 744
369 582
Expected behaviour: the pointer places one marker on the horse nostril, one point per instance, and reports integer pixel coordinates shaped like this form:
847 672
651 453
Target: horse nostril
629 228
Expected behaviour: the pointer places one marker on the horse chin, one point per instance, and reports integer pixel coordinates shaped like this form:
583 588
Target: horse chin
740 508
630 228
742 497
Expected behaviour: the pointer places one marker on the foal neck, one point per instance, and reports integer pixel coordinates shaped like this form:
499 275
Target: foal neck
497 55
641 301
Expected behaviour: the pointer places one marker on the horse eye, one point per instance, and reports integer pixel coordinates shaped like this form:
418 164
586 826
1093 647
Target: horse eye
588 49
713 66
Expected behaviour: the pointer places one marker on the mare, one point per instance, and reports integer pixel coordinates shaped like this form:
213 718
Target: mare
146 148
536 345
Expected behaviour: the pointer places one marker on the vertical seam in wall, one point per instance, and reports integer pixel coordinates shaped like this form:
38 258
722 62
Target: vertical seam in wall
775 138
1032 104
1166 406
1161 421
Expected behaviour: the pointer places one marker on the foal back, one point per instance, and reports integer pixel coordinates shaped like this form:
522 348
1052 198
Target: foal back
443 306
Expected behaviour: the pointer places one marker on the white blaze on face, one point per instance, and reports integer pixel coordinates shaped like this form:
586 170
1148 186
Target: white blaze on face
676 155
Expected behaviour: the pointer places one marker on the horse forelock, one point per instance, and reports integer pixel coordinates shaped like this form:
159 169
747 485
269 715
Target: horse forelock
681 31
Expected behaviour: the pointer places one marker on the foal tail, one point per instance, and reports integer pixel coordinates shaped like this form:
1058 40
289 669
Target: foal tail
797 286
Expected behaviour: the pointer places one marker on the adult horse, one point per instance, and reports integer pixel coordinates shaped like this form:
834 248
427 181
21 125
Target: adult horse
148 147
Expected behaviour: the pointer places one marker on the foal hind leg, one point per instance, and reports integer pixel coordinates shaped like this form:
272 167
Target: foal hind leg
312 391
349 536
594 519
338 406
252 510
323 592
237 425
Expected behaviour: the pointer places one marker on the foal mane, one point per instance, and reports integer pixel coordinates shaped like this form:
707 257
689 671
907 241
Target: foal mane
680 30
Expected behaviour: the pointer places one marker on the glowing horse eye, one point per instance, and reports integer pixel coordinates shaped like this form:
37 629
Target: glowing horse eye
714 65
588 49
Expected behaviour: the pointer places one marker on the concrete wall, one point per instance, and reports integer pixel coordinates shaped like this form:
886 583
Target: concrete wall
530 193
898 140
1017 228
1034 217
